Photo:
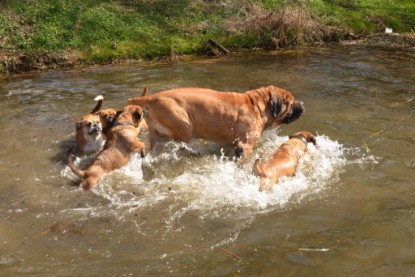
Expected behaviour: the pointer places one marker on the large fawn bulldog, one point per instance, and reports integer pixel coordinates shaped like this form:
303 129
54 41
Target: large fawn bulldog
284 161
230 118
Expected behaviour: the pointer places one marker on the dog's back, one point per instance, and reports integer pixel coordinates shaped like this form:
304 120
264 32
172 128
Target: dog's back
284 161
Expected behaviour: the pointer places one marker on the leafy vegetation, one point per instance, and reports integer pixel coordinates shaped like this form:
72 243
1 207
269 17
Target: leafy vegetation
99 31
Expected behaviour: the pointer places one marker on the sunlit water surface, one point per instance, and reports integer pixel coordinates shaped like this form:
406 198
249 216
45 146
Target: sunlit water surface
189 209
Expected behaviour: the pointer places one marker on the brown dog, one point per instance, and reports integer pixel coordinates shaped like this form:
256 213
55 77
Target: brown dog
121 142
284 161
91 130
227 118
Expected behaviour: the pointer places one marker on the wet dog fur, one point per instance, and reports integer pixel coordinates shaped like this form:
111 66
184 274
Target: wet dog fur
228 118
121 143
284 161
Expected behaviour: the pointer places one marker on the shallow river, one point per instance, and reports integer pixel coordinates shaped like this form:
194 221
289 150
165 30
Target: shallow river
189 210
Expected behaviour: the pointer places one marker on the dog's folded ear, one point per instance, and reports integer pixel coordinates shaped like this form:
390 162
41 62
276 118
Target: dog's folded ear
276 106
138 115
312 139
78 125
118 113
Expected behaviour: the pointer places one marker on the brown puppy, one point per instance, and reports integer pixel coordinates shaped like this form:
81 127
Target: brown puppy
107 118
121 142
92 128
227 118
284 161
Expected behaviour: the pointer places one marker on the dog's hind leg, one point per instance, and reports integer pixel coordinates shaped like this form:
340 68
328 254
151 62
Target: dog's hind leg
90 182
168 119
92 177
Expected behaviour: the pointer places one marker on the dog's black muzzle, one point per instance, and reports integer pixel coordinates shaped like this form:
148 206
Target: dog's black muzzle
95 129
298 110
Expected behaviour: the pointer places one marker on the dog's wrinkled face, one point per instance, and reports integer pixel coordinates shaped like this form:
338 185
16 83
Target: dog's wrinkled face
90 125
283 107
297 109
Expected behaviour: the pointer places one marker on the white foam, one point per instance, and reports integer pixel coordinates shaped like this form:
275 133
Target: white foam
200 181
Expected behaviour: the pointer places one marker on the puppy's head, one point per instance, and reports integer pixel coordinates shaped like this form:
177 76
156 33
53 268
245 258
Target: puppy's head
90 125
283 107
107 117
131 113
309 137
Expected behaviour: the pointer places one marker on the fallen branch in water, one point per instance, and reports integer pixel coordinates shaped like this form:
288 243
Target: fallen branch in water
221 48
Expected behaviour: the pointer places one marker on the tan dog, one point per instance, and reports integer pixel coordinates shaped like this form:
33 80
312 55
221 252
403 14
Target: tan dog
284 161
92 128
121 142
227 118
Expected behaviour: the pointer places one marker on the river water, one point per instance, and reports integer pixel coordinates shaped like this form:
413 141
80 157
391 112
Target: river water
188 209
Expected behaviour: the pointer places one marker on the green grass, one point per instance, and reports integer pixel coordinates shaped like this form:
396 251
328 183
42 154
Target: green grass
367 16
103 30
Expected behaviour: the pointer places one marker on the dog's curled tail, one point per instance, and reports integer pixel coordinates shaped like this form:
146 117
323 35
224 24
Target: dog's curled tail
100 99
69 161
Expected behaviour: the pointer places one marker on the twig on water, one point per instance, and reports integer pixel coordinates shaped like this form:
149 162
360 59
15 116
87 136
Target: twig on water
400 103
312 249
236 257
384 129
284 241
366 146
377 133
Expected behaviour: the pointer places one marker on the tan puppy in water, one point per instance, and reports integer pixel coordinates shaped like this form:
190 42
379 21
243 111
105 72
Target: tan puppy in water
284 161
92 129
228 118
121 142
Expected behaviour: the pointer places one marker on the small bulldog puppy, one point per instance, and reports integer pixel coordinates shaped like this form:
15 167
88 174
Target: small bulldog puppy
284 161
121 143
92 129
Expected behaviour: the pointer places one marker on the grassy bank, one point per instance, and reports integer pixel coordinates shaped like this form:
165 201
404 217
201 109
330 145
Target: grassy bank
63 33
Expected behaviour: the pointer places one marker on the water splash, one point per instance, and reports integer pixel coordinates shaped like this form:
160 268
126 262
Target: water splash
189 178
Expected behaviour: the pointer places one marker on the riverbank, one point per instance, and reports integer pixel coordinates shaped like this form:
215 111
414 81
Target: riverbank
49 34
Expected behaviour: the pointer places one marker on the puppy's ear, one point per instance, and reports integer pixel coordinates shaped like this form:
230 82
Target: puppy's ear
118 113
312 139
276 106
78 125
138 115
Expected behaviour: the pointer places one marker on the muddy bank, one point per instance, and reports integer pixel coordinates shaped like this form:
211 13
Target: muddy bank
18 63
